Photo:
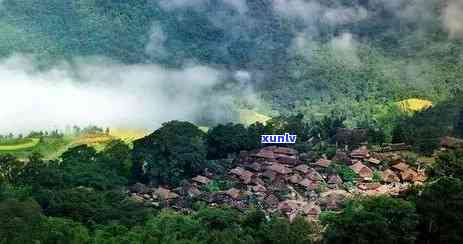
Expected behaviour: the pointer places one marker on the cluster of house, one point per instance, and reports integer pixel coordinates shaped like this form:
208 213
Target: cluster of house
279 179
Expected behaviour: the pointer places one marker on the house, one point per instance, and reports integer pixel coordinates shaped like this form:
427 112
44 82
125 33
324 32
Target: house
201 180
362 170
279 168
334 180
309 184
244 175
303 168
323 162
233 193
389 176
165 194
401 166
360 153
408 175
285 150
451 142
296 178
374 161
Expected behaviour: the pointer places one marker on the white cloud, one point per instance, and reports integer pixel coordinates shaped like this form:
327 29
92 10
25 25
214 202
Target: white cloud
239 5
311 11
345 48
104 93
157 38
453 18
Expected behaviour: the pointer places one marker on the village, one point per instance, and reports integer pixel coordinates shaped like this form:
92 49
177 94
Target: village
280 180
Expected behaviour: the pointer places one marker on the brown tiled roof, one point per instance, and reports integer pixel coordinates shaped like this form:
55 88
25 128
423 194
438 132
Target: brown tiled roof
244 175
233 193
420 176
279 168
296 178
374 161
314 175
165 194
309 184
323 162
303 168
285 150
369 186
408 175
311 209
389 176
334 179
362 170
259 188
401 166
263 153
201 179
287 159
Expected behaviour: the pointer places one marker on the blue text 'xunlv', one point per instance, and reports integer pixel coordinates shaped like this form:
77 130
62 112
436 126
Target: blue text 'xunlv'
283 139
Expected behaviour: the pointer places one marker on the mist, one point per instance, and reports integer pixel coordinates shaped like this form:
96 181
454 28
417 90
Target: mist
102 92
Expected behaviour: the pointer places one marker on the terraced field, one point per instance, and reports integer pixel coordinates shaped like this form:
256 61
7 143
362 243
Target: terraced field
52 148
21 145
248 117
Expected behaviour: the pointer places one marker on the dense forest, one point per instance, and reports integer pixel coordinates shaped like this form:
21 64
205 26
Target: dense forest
161 151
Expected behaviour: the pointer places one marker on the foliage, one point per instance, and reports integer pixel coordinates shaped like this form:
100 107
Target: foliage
346 173
373 220
20 221
280 230
377 177
10 167
92 207
459 125
172 153
226 139
116 155
440 207
448 164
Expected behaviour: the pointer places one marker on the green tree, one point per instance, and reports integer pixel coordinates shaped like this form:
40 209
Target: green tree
440 206
279 231
21 222
116 155
449 164
174 152
372 220
459 125
223 140
64 231
10 167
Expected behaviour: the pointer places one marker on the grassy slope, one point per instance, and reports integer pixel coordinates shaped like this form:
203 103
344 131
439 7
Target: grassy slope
27 143
52 148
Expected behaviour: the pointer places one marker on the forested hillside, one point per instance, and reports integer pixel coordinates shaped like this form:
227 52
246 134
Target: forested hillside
299 55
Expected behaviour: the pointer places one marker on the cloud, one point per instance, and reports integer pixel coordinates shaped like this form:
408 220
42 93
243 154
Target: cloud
101 92
157 39
312 12
345 48
453 18
172 5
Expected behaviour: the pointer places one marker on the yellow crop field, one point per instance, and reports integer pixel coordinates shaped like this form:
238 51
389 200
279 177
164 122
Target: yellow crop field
414 105
248 117
128 135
